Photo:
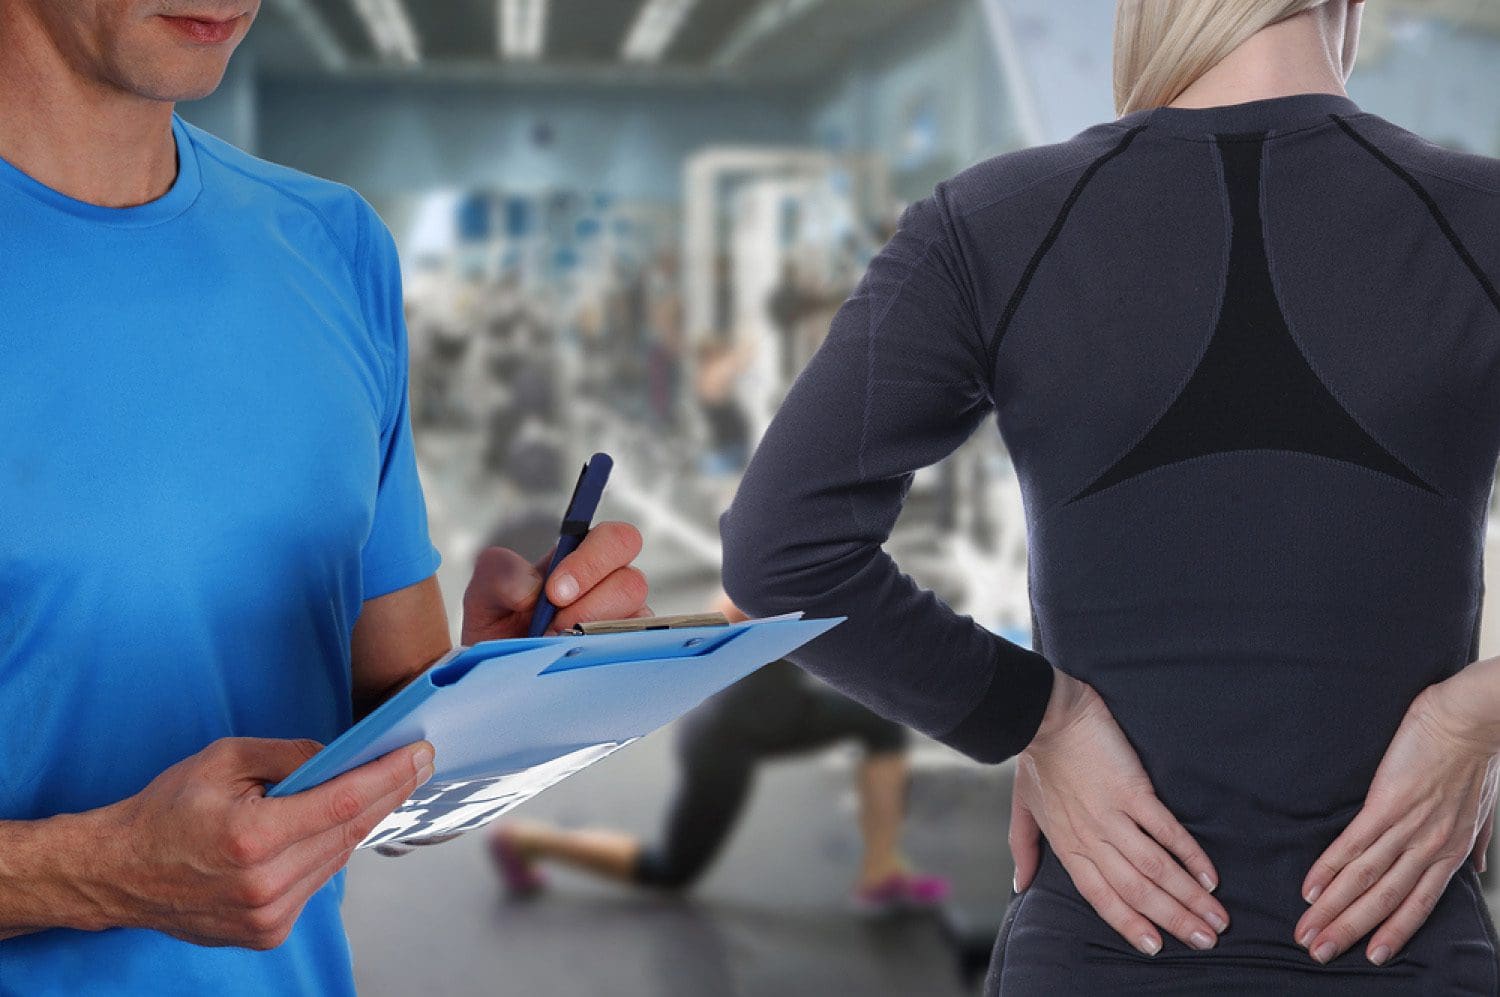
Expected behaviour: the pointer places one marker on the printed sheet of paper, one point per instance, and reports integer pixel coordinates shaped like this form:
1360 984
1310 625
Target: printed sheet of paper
442 810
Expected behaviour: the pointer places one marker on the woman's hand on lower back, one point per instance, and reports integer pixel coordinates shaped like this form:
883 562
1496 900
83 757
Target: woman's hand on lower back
1427 812
1080 783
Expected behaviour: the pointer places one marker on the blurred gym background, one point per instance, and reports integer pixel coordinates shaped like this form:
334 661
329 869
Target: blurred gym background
624 226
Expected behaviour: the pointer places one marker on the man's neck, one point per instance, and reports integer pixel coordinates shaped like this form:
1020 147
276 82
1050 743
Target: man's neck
1290 57
84 138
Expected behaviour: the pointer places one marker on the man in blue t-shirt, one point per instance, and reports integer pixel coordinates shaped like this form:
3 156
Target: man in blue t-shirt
213 544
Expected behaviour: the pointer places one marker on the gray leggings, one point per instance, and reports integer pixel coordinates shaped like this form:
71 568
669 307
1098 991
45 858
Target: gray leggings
776 711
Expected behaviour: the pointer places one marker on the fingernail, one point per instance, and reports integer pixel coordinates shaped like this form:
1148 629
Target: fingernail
1214 919
1015 884
1150 945
421 757
1381 954
1200 940
1307 937
566 588
1313 894
518 591
1324 952
1207 881
423 774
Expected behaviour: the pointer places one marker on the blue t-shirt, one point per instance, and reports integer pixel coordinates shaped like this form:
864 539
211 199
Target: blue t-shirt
206 467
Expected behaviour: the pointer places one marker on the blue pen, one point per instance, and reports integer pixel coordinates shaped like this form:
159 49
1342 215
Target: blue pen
575 526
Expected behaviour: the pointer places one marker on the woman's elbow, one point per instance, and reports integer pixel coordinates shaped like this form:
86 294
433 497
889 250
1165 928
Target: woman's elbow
747 574
760 574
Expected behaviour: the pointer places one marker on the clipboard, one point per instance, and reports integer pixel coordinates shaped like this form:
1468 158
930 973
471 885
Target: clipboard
508 718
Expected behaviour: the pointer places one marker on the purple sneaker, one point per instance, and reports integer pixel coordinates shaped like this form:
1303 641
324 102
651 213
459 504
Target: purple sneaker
520 876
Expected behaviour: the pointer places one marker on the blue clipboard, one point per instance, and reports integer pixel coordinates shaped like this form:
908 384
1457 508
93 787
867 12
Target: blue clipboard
510 717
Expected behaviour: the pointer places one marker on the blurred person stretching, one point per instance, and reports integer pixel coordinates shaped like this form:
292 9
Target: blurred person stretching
213 543
776 712
1243 345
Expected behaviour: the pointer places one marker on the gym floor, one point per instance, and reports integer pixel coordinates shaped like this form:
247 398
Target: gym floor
769 921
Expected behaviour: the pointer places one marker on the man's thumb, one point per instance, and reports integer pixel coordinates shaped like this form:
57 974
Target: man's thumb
268 759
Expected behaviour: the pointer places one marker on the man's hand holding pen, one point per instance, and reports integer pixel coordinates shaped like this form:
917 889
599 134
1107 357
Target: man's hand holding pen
598 581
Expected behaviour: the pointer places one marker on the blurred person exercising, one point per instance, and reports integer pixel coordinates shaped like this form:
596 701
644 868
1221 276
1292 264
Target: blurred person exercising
721 364
213 543
1243 345
774 713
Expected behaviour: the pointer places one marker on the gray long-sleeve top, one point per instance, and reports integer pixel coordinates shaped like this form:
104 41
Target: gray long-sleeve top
1246 361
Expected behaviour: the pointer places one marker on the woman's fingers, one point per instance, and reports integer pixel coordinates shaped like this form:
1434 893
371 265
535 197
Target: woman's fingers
1354 880
1348 846
1156 820
1025 841
1411 915
1157 865
1145 894
1128 922
1376 903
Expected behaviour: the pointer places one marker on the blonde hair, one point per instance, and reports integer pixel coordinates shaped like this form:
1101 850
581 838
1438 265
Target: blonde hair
1163 46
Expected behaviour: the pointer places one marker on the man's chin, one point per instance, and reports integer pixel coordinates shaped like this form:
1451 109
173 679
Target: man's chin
177 84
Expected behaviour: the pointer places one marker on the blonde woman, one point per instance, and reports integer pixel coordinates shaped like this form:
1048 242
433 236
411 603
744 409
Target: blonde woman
1243 344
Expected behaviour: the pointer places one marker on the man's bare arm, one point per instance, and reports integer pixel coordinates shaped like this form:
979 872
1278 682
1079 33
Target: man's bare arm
395 639
34 892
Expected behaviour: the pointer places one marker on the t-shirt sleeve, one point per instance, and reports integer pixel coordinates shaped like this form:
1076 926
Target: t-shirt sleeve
899 384
398 552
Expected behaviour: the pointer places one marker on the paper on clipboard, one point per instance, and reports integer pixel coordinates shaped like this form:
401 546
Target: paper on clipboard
510 718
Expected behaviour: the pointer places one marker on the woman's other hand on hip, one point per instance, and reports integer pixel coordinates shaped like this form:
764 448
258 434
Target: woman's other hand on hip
1080 783
1429 809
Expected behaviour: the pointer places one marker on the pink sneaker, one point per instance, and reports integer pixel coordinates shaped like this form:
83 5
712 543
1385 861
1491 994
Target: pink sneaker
923 890
902 891
520 876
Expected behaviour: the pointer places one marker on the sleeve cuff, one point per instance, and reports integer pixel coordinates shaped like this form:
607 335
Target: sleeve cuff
385 579
1007 716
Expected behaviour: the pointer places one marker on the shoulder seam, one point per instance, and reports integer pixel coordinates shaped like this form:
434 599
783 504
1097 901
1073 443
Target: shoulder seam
1082 162
388 351
317 213
1478 188
352 268
1473 185
1013 303
1433 208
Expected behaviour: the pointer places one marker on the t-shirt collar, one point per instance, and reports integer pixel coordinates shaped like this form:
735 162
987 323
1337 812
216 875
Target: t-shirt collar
178 198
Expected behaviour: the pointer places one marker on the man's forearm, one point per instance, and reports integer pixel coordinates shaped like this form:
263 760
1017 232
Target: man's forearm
45 868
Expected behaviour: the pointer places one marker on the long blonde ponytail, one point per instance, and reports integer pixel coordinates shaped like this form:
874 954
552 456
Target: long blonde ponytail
1163 46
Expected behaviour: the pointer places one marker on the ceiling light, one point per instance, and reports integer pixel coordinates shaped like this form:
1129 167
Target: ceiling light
390 29
523 28
766 20
654 28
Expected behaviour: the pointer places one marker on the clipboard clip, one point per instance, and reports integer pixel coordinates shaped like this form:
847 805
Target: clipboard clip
685 622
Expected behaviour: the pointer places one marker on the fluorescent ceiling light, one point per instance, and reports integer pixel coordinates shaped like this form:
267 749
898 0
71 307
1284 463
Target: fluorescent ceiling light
390 29
767 19
523 28
654 28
